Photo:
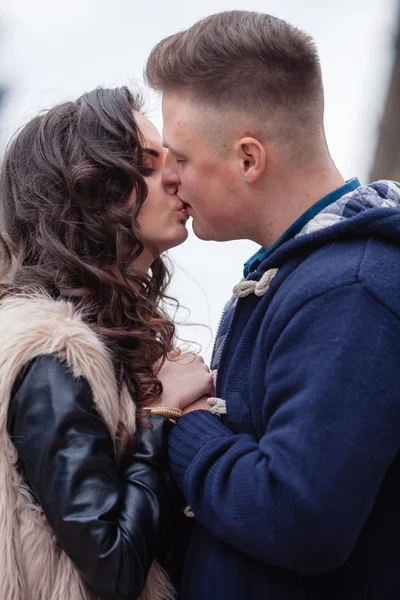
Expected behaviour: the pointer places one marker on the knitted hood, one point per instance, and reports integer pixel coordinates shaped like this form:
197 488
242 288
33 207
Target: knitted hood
368 211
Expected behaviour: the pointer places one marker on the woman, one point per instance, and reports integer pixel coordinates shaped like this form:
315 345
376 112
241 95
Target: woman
86 497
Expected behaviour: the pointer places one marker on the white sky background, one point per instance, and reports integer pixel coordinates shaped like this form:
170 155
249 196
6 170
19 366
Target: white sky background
52 50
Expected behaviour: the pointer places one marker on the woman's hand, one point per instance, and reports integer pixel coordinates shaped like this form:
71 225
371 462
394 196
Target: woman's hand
200 404
185 379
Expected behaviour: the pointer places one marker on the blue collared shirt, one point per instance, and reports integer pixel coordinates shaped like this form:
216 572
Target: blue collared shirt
257 258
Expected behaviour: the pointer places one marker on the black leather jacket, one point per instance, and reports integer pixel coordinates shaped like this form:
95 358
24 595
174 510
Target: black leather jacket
109 519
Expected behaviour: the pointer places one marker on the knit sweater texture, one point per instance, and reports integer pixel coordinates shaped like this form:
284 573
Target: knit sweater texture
296 489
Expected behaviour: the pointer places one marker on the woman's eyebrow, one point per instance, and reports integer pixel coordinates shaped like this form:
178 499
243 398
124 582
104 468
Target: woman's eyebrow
151 152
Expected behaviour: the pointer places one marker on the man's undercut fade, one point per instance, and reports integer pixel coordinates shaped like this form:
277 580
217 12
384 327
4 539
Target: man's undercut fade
240 61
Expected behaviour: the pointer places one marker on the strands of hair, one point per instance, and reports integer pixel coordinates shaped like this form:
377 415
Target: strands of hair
67 229
238 59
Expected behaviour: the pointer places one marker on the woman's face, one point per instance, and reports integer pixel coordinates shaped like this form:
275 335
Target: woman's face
162 218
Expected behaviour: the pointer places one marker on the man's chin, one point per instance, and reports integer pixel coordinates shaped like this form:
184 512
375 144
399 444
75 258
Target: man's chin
208 236
202 233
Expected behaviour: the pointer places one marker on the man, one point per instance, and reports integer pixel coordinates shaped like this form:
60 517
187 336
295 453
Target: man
296 489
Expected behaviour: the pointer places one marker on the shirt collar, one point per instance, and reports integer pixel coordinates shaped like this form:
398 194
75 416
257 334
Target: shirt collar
261 254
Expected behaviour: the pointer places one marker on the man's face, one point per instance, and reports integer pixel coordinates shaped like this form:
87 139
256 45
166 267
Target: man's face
202 165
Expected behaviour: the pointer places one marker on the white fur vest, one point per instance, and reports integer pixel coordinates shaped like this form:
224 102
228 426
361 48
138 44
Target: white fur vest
32 565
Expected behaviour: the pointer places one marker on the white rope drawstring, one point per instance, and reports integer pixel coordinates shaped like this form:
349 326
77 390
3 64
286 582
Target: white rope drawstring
187 511
258 288
217 406
241 290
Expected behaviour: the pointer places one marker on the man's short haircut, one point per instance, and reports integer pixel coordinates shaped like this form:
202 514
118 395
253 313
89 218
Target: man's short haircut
241 61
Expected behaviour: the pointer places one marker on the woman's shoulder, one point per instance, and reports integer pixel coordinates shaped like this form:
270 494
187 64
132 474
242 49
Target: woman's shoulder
35 325
43 384
40 318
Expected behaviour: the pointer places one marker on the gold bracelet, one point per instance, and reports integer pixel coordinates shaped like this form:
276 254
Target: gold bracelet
165 411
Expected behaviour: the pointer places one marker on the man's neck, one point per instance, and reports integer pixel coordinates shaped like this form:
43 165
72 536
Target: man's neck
291 198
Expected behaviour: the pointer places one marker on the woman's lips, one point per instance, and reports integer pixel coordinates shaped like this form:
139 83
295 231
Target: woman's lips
184 212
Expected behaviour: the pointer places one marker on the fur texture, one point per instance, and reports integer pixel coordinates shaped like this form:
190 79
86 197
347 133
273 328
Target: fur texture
32 565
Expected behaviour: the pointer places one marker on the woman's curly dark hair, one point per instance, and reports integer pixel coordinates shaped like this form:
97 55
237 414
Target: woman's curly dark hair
67 229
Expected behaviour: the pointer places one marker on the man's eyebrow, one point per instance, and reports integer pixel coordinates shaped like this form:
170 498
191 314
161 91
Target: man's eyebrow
168 147
173 150
151 151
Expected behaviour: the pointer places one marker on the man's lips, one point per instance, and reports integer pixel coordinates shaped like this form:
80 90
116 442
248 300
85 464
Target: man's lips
186 209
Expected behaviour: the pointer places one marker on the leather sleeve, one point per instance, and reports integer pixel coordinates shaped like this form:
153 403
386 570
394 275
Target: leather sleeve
109 520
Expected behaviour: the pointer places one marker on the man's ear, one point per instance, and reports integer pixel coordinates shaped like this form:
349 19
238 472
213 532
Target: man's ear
253 158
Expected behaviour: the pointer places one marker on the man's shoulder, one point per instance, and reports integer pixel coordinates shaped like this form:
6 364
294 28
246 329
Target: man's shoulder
379 272
371 262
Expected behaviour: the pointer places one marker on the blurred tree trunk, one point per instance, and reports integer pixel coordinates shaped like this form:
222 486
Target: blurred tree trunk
387 157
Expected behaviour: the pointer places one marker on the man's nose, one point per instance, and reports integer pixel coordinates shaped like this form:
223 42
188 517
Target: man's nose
170 177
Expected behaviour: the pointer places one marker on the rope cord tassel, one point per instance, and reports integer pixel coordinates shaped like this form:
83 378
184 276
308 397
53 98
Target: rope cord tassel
258 288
